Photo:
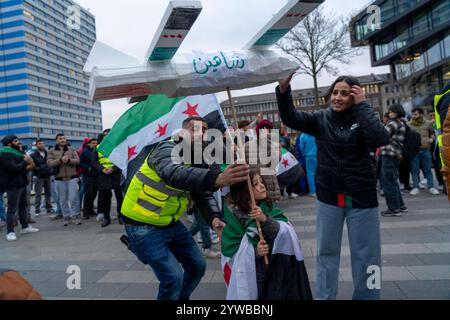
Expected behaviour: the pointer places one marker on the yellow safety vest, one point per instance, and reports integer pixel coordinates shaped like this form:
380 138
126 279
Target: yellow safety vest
150 200
104 161
437 99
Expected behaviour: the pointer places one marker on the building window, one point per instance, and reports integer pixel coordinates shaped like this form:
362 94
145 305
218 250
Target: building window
385 48
441 13
387 11
447 44
420 25
402 37
434 53
418 61
405 5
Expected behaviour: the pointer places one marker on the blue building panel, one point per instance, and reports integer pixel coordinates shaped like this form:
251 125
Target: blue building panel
10 14
18 87
12 24
14 77
11 3
17 120
14 45
15 131
14 99
11 110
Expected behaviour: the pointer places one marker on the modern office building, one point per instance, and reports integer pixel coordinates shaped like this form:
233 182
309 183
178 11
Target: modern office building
247 107
414 40
43 90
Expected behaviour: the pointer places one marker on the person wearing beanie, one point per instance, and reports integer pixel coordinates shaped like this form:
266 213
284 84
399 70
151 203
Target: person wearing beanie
14 167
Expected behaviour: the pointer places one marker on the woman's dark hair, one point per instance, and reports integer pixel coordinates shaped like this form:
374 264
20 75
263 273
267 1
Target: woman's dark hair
351 81
398 109
240 196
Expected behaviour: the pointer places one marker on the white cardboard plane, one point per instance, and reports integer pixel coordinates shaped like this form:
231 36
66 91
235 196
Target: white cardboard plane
114 74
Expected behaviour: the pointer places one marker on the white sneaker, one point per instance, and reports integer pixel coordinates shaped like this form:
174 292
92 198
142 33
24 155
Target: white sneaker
199 240
414 192
313 195
210 253
434 191
29 229
11 236
100 217
293 196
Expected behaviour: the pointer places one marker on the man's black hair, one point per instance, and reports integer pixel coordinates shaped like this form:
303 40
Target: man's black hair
186 122
59 135
420 110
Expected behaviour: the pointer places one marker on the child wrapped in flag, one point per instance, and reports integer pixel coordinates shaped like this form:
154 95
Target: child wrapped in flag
246 275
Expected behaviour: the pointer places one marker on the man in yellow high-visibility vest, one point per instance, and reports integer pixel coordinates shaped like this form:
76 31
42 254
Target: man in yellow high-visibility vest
157 197
441 107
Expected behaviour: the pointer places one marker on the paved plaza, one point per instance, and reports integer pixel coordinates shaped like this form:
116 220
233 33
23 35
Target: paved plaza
415 256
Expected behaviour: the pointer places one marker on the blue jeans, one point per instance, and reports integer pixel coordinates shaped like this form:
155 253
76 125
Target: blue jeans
172 254
389 173
422 161
200 225
311 167
55 195
2 207
365 247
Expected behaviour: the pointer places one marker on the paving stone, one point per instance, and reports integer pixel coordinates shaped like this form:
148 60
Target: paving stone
434 258
430 272
140 291
128 277
96 291
425 289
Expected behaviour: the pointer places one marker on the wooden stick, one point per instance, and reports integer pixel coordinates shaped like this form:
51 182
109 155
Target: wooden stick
241 148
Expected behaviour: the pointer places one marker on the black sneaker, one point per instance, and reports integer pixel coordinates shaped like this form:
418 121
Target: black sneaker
404 209
389 213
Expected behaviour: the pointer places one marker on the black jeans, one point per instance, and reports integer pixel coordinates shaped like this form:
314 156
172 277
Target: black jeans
392 193
90 193
104 201
404 173
17 201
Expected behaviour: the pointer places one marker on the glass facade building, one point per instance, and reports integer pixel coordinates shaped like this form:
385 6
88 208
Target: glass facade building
43 89
413 38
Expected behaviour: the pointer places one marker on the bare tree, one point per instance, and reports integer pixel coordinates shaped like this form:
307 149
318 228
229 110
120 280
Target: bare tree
317 42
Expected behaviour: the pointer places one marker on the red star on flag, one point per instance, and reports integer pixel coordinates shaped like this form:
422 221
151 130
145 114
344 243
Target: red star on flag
162 130
285 162
131 152
191 110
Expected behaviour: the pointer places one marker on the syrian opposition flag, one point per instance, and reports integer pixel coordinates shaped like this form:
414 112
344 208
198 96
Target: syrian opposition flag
286 276
151 121
289 170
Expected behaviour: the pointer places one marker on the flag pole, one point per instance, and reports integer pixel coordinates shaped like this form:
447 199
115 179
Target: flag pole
241 156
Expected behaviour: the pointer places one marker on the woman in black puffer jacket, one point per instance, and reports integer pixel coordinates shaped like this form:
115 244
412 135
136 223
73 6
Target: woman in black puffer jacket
346 133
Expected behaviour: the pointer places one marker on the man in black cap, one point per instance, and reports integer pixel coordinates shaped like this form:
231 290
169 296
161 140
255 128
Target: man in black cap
14 166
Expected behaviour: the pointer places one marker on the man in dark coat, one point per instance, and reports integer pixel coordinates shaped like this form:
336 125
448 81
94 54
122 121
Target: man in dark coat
14 167
41 176
90 178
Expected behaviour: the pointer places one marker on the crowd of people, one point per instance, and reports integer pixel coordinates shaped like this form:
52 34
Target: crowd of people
342 152
72 179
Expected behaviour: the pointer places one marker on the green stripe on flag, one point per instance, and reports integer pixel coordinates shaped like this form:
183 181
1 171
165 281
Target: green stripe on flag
348 202
137 117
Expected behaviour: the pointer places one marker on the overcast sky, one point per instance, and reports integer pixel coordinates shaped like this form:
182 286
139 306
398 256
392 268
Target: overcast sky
129 26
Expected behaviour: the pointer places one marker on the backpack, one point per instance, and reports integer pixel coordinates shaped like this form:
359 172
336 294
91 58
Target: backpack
412 143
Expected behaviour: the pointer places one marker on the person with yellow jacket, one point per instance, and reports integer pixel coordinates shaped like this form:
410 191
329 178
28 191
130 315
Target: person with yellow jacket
158 195
441 107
